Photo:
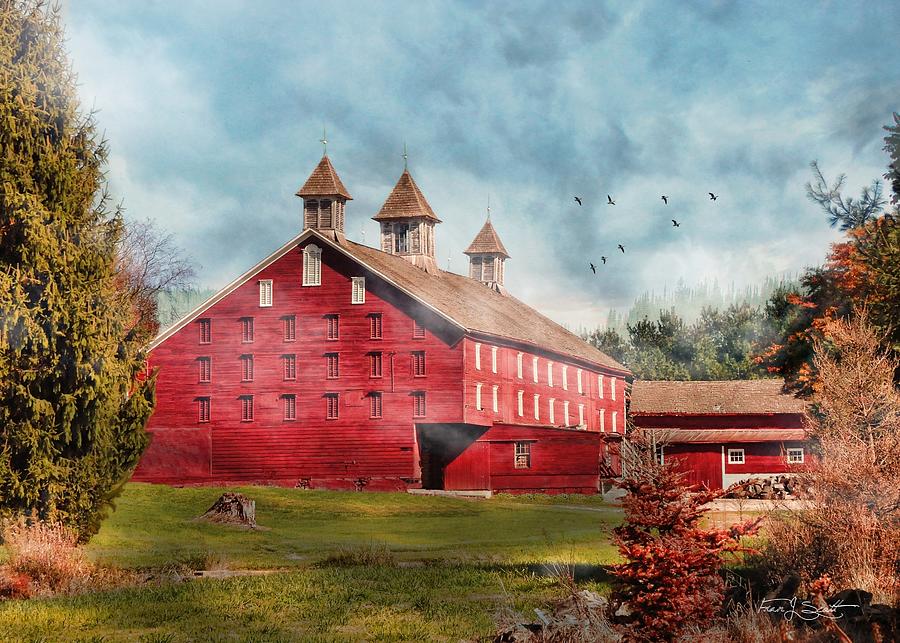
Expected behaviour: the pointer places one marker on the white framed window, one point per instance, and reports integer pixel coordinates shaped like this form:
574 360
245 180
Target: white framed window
549 373
578 382
565 377
495 394
519 365
521 402
612 388
795 455
534 369
581 415
735 456
566 412
477 356
493 359
600 386
552 414
265 293
478 396
523 455
358 290
537 406
601 418
615 416
312 265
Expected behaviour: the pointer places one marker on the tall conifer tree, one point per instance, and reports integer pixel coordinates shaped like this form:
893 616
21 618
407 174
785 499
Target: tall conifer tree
73 405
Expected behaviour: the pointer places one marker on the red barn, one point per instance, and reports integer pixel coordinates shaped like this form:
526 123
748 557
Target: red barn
333 364
723 432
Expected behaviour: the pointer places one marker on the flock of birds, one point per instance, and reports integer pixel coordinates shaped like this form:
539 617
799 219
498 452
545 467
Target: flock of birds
609 201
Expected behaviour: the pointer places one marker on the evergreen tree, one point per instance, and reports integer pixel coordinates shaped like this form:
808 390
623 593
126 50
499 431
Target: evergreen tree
72 403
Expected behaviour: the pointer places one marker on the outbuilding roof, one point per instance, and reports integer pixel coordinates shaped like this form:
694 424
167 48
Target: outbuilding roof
406 200
487 241
729 397
719 436
324 181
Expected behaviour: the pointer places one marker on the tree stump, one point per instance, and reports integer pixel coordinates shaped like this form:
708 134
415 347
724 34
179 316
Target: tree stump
232 509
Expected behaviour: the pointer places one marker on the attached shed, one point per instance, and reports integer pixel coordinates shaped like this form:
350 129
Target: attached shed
723 432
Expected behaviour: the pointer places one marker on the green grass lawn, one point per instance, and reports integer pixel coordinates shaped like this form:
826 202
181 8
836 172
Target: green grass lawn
457 562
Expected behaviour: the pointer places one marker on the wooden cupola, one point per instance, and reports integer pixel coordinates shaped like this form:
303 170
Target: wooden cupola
324 197
407 224
486 257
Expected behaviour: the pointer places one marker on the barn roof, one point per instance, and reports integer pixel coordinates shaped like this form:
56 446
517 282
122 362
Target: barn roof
712 398
705 436
406 200
487 241
324 181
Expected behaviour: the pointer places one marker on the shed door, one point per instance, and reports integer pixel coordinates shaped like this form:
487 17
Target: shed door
471 469
702 462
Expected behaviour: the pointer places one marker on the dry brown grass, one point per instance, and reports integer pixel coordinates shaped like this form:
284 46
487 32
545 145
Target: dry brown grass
47 554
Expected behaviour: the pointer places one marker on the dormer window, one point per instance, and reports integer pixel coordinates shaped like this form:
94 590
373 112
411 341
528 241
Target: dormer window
312 265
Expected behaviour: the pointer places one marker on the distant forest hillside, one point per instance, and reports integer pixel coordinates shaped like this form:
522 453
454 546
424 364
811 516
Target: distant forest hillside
175 304
688 302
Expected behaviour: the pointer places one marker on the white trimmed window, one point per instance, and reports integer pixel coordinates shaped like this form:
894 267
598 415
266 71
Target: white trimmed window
477 356
523 455
735 456
612 388
601 416
519 365
566 412
795 456
493 359
552 414
600 386
549 373
615 416
496 397
358 290
478 396
565 377
578 381
534 369
521 402
312 265
537 406
581 416
265 293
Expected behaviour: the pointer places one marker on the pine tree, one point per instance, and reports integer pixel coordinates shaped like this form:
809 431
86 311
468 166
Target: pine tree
73 405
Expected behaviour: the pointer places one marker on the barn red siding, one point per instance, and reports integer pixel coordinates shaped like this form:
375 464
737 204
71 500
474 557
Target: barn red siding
762 457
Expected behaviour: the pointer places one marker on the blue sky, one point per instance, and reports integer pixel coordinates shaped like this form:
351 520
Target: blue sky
213 111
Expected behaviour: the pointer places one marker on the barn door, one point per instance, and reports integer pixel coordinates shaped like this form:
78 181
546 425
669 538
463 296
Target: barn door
470 470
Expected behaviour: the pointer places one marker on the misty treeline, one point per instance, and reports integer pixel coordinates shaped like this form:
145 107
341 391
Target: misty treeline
778 337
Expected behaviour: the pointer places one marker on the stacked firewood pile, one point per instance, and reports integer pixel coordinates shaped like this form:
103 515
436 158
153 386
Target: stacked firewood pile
777 488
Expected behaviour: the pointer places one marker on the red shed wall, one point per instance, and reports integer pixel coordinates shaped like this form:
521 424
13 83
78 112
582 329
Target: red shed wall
704 462
310 449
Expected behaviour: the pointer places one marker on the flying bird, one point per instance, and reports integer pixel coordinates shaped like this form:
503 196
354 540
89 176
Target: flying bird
622 248
609 200
578 200
665 199
593 268
675 224
712 197
603 259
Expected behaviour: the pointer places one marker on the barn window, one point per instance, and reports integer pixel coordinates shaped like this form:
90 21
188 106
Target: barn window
534 369
735 456
578 381
358 290
523 455
246 330
289 364
331 366
375 326
493 359
565 377
537 406
521 403
401 238
475 268
331 406
601 420
419 404
495 390
418 360
549 373
795 456
204 364
203 409
600 386
612 389
311 214
332 327
325 214
418 330
477 356
289 325
265 293
478 396
615 415
312 265
205 331
290 406
552 411
374 364
488 268
246 408
375 408
566 412
519 365
246 368
581 416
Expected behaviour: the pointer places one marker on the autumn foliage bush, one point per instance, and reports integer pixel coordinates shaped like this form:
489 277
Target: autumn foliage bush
670 580
43 559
